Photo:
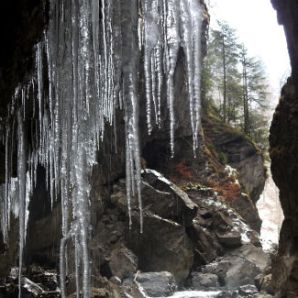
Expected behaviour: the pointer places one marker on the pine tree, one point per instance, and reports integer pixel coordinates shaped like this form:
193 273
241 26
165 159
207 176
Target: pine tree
235 84
224 50
254 89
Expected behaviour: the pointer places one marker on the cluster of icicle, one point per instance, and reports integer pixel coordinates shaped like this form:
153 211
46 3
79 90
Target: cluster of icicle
87 66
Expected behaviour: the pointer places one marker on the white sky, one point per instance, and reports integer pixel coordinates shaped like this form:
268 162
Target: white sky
257 27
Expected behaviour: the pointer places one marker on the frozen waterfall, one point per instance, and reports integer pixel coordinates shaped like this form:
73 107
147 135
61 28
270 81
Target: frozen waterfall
87 66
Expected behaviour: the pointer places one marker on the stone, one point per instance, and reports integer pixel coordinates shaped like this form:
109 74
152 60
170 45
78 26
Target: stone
166 199
229 239
161 197
157 284
242 155
238 267
164 245
222 222
203 281
225 294
248 290
206 244
262 295
264 283
123 263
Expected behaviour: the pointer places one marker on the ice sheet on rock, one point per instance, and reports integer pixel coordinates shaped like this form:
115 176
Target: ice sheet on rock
168 26
21 169
87 65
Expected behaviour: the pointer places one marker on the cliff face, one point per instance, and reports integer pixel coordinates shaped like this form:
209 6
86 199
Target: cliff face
241 154
183 243
284 152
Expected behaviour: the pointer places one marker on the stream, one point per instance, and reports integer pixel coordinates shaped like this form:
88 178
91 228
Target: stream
271 213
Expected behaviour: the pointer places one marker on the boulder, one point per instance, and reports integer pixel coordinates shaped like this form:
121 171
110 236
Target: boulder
206 244
241 154
161 197
203 281
238 267
123 263
241 272
230 239
166 199
157 284
248 290
264 283
262 295
164 245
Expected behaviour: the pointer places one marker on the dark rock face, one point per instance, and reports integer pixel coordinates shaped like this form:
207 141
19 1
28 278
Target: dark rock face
203 281
157 284
164 244
238 267
241 154
284 149
25 20
236 150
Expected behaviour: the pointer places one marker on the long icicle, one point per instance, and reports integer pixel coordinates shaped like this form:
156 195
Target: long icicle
93 50
22 194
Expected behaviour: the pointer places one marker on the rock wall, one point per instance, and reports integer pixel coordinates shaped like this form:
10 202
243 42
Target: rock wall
27 22
237 151
284 155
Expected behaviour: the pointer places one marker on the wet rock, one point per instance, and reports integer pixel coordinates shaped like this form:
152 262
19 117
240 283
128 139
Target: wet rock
242 155
164 245
157 284
248 290
206 244
230 239
262 295
123 262
264 283
225 294
241 272
203 281
247 209
160 196
222 222
115 280
32 287
36 283
238 267
219 217
174 204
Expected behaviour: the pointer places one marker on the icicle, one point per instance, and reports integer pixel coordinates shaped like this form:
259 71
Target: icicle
93 50
22 193
133 162
191 42
62 253
6 205
39 70
28 193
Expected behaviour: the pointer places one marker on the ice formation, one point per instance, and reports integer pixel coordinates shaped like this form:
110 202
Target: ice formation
87 66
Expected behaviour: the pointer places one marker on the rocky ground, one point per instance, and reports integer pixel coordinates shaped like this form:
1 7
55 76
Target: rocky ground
193 245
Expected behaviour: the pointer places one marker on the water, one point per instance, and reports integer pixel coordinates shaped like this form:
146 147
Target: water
87 66
271 213
194 294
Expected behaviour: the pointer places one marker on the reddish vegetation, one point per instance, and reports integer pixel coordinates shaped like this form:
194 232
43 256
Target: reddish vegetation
227 188
183 170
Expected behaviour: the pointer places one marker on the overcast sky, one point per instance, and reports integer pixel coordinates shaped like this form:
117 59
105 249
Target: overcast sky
257 27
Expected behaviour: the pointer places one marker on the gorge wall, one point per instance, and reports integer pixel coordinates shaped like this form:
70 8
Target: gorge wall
284 155
184 245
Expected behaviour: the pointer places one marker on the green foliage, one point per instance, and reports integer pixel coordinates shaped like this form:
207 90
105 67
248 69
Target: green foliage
235 84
